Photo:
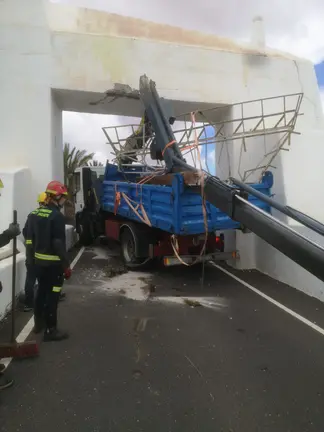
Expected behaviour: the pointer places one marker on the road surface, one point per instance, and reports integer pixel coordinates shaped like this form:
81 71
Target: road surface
157 352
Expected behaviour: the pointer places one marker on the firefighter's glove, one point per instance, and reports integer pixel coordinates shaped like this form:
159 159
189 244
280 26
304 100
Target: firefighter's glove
13 230
67 273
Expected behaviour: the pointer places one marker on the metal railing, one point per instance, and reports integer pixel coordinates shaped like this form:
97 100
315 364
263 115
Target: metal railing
239 124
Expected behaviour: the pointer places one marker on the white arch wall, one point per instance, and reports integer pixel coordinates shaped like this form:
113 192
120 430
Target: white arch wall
50 46
60 47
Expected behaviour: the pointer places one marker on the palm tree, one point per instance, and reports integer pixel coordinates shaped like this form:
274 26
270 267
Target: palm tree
95 163
74 159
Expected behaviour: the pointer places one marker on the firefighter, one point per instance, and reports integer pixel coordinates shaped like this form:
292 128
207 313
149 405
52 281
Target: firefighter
7 235
30 267
46 238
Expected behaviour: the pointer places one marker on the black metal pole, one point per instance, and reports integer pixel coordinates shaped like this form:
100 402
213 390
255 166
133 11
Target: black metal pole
292 244
13 286
289 211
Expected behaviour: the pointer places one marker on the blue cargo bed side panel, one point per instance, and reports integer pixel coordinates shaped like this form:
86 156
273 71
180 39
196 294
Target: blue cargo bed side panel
156 200
175 209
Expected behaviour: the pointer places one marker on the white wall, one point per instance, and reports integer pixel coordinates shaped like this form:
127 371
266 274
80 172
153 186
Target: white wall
278 266
303 172
25 87
298 182
16 195
302 188
211 76
6 281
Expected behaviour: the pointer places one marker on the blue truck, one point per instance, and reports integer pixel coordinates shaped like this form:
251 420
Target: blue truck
149 219
179 215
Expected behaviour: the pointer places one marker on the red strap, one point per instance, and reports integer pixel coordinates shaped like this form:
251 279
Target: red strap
167 146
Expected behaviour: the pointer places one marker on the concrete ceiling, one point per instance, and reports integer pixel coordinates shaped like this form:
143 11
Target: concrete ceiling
99 103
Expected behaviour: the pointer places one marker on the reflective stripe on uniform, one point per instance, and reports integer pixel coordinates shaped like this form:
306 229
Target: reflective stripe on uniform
44 210
41 210
43 214
56 289
29 242
46 257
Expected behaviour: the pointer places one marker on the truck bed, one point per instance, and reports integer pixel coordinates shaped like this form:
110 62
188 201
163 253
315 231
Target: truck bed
176 209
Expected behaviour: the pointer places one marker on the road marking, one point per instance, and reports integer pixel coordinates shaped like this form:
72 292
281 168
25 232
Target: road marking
271 300
25 332
76 259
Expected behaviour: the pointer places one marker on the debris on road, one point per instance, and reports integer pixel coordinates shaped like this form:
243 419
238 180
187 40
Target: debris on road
115 267
192 303
149 286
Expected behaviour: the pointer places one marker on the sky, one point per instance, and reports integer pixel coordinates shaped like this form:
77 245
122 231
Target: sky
294 26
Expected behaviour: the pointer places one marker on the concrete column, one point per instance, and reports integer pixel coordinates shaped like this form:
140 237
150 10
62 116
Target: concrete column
28 114
57 140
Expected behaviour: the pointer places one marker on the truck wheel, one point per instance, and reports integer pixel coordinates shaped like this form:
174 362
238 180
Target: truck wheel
127 243
85 231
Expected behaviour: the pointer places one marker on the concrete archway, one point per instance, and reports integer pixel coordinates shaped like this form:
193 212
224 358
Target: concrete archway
57 57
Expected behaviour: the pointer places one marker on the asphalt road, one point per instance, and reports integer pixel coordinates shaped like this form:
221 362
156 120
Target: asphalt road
159 353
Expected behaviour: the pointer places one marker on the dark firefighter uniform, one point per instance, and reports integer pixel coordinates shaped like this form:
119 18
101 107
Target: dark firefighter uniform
46 239
31 276
30 265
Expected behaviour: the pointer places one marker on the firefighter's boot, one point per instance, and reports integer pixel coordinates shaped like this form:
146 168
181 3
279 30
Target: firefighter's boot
55 335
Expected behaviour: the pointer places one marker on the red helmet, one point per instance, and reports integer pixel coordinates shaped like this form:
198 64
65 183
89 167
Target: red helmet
56 189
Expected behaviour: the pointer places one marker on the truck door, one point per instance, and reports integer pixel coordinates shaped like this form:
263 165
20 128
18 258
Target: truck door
79 200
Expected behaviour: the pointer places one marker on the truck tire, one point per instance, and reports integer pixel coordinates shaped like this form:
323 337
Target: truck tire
128 246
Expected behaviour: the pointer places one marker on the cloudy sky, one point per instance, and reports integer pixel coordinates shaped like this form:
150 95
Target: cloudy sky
295 26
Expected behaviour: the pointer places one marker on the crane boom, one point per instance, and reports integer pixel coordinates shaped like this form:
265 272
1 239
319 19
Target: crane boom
232 200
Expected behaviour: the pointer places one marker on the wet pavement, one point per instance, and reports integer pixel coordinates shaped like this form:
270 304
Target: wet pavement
156 351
